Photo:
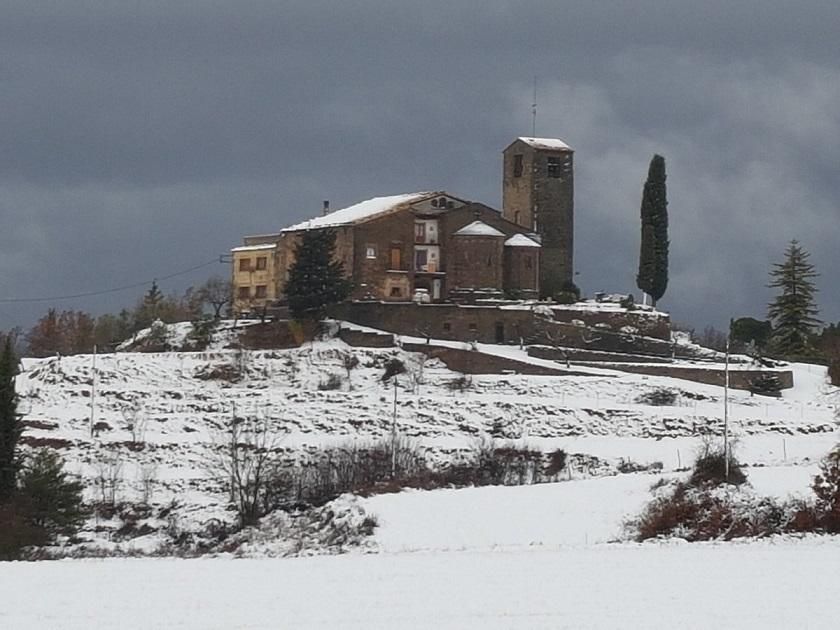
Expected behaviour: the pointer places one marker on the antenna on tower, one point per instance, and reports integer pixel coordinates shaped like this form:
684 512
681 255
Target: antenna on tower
534 111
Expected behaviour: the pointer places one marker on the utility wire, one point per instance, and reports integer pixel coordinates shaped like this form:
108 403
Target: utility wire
136 285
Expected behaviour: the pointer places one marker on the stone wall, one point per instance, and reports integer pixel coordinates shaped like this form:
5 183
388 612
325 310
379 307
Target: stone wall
476 262
646 323
522 270
492 324
360 338
738 379
474 362
592 356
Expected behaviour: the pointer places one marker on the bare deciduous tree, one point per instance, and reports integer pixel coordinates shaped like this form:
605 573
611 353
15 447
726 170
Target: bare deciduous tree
350 361
217 292
246 458
135 421
148 477
109 478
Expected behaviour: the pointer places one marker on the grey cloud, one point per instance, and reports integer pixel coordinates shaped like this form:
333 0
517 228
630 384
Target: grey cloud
142 137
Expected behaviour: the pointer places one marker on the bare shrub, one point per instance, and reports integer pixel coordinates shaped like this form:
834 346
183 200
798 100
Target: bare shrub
710 513
148 478
461 383
360 468
393 367
826 487
135 421
227 372
626 466
246 459
659 397
766 385
109 479
556 462
349 362
491 465
415 371
710 468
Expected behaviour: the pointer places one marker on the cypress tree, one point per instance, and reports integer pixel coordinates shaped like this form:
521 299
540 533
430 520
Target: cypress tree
793 312
10 426
316 280
653 251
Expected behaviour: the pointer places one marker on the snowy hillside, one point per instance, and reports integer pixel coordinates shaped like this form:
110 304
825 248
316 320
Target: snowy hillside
541 556
156 418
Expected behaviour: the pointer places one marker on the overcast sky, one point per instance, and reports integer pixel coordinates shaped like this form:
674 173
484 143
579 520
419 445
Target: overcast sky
142 138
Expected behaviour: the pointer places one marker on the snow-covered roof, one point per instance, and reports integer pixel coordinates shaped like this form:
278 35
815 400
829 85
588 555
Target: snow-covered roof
520 240
546 143
251 248
478 228
359 212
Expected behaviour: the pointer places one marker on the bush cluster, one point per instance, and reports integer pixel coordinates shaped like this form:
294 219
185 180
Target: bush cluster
706 507
659 397
384 466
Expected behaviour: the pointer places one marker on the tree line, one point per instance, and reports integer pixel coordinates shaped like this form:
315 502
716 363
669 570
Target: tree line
72 331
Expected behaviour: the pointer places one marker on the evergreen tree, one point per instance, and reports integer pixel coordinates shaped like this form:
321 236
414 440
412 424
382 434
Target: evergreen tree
49 499
793 312
316 280
653 251
10 426
150 307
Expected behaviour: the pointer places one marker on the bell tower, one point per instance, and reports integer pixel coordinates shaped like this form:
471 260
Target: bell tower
538 194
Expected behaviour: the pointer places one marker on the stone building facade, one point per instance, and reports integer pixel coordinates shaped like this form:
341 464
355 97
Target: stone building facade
435 246
538 194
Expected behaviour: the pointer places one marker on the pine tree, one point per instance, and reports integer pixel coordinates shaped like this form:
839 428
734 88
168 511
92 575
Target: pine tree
793 312
653 251
49 499
10 426
149 308
316 280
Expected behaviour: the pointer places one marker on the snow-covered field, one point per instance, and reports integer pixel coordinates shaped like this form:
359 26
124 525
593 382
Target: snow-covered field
495 557
739 586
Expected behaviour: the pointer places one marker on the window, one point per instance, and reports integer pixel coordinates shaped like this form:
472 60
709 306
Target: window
244 293
489 261
516 217
244 264
396 292
419 232
555 167
370 251
447 326
527 262
473 327
517 165
262 263
421 260
396 257
261 291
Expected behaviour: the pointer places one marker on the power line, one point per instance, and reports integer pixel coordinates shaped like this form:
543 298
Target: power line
126 287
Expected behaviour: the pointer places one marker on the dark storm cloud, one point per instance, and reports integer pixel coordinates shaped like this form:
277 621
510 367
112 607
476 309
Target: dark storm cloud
144 137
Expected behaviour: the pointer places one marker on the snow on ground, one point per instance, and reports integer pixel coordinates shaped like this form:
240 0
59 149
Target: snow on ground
792 584
490 558
566 513
184 402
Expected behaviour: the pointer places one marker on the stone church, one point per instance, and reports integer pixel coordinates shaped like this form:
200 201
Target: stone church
435 246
